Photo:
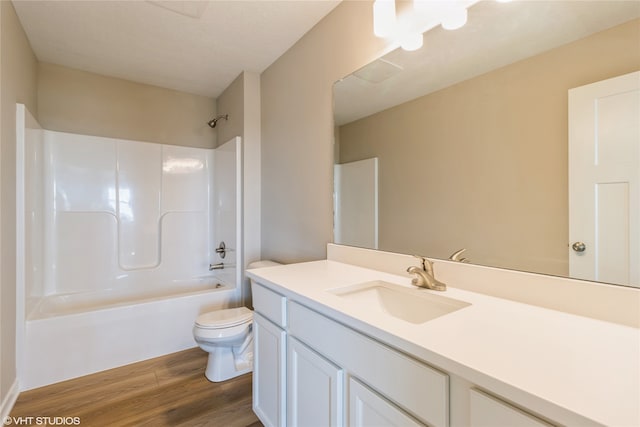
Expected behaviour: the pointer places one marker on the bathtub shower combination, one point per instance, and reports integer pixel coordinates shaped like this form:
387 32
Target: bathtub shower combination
117 238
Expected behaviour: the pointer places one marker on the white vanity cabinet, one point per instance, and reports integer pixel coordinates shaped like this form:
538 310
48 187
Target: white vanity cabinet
311 370
332 375
270 349
325 359
409 387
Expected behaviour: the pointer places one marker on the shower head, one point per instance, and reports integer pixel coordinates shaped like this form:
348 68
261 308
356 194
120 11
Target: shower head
213 122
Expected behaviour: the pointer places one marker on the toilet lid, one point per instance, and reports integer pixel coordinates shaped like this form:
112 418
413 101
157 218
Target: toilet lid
224 318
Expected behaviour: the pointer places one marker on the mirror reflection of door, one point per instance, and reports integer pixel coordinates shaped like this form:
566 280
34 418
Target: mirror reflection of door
356 203
604 180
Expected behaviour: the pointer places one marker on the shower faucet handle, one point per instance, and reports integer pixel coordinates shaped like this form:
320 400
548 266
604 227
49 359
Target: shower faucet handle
221 250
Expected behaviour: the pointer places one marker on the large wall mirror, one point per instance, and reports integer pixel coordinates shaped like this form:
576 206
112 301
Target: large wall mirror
465 142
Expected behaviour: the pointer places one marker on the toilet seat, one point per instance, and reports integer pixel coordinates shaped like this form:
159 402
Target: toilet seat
220 319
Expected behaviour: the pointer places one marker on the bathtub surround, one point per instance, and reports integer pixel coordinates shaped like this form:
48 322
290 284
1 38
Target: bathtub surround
149 209
116 234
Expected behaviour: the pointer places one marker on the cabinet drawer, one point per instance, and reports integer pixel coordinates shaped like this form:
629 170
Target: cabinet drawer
367 408
488 411
270 304
413 386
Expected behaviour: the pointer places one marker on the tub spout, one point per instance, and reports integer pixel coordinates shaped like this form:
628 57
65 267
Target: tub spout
218 266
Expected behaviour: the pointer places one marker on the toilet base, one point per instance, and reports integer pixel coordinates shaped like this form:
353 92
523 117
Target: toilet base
223 364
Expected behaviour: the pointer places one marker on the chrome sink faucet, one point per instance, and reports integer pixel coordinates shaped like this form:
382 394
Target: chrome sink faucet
425 278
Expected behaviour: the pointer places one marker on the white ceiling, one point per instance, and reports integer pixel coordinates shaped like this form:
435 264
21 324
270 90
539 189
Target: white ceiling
192 46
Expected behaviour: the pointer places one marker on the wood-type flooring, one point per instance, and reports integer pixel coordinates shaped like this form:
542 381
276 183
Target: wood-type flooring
167 391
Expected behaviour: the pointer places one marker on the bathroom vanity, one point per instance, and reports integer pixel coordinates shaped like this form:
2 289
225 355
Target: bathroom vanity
339 344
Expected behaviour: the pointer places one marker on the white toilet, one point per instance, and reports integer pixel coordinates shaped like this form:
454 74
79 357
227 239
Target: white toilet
228 338
227 335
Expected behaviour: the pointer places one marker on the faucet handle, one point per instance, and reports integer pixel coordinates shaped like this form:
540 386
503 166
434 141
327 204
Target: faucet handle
423 260
457 256
427 264
428 267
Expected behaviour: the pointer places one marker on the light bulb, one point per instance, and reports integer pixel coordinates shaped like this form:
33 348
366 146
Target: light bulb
454 19
384 17
411 41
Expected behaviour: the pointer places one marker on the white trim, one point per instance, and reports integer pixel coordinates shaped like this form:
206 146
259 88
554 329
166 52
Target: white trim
239 218
21 123
9 400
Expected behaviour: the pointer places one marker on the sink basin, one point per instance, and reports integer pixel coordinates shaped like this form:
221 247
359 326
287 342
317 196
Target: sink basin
411 305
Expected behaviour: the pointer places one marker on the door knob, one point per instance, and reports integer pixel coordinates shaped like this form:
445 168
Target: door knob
579 247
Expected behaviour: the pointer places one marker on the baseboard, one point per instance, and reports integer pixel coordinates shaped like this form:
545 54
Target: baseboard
9 400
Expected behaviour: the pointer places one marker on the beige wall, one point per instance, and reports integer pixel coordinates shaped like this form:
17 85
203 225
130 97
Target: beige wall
297 131
483 164
76 101
18 79
231 102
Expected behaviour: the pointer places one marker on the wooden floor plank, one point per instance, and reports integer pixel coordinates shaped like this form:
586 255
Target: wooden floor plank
167 391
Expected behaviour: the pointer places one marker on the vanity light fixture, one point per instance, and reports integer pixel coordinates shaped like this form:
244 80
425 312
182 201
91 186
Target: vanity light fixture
454 18
416 17
411 41
384 17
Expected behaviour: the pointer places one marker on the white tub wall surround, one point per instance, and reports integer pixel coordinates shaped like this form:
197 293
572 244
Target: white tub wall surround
226 208
117 208
117 234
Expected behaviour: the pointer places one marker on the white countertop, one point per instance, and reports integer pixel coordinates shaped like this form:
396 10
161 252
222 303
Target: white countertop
565 367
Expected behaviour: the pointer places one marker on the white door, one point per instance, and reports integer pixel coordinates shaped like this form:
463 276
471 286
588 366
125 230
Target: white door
356 203
604 180
314 389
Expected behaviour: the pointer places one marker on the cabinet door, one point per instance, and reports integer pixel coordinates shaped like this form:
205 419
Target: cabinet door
269 372
368 409
314 389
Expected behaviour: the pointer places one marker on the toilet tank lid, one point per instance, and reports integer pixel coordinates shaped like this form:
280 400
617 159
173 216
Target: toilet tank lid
218 319
263 263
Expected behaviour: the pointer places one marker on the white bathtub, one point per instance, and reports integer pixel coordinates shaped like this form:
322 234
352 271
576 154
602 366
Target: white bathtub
63 304
68 336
